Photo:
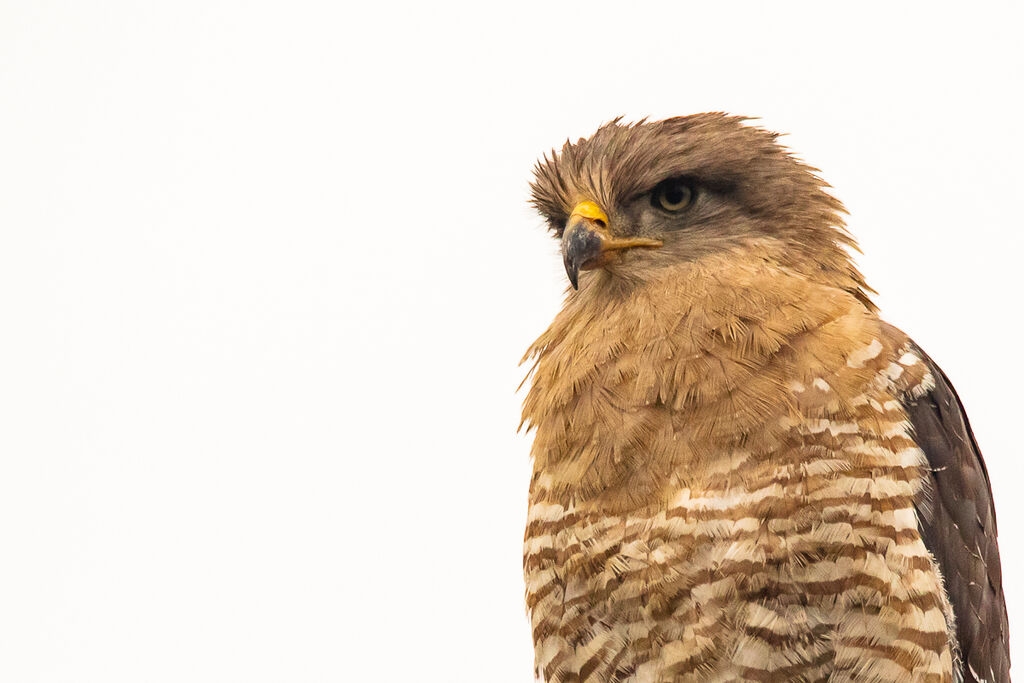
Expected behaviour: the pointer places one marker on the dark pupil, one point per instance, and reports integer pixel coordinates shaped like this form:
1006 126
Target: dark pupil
675 195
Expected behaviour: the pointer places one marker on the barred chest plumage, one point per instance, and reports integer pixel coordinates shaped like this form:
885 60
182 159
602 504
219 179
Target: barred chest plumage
726 491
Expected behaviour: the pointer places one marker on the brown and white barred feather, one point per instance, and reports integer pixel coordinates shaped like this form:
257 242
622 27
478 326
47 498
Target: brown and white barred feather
726 486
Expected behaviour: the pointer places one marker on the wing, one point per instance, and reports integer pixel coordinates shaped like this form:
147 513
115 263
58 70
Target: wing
958 525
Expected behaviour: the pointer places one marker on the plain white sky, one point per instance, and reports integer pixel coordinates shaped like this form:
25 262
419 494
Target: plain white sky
267 270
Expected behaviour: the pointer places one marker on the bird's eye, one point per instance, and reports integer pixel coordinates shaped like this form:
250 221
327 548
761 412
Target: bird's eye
673 195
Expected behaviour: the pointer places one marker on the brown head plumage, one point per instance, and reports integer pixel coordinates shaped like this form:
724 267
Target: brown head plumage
732 184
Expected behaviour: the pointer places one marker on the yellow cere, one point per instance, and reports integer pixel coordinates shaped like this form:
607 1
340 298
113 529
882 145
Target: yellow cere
590 210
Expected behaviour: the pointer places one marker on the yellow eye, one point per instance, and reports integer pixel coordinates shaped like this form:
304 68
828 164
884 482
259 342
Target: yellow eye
673 195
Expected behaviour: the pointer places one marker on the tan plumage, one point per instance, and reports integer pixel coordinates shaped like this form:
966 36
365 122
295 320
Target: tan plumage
727 482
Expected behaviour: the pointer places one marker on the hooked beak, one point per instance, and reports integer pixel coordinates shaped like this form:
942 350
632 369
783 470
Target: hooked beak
587 244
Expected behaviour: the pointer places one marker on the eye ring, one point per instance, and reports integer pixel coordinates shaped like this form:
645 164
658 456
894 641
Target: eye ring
673 195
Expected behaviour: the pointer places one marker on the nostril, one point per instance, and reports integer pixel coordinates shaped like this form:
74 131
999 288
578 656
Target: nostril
600 223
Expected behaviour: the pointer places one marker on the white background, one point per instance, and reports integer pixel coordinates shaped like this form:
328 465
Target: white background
266 272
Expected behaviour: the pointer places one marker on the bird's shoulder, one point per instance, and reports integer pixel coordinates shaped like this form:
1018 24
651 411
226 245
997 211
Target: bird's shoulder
955 511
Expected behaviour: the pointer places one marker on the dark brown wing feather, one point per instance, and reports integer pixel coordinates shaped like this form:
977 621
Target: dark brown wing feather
958 524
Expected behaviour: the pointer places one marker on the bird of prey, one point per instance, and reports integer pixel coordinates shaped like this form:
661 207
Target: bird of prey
740 472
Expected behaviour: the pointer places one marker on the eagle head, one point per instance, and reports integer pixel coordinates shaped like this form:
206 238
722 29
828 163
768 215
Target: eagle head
634 201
